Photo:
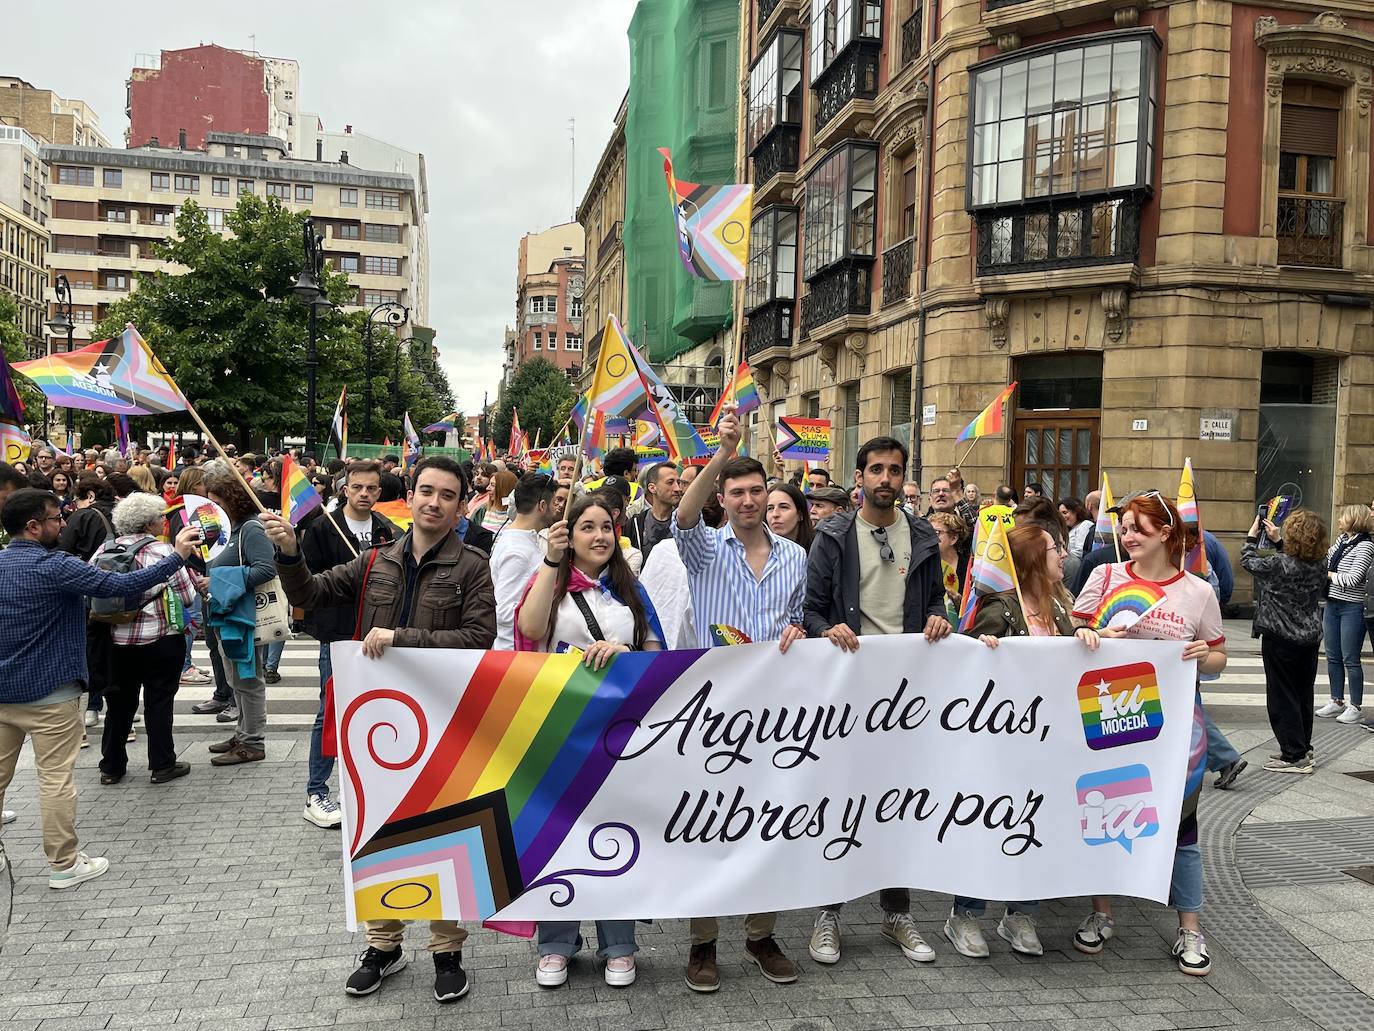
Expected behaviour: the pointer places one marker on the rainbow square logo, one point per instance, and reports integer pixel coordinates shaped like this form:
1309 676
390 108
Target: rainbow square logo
1117 806
1120 705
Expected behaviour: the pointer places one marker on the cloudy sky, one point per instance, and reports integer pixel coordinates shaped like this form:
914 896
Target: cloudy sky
485 89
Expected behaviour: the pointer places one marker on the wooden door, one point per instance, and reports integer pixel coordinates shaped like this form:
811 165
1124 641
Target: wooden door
1059 450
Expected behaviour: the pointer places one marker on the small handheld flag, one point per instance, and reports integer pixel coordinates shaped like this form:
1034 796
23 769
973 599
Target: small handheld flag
679 436
338 426
1195 560
1105 527
743 390
616 388
298 495
15 442
990 419
121 424
991 571
171 462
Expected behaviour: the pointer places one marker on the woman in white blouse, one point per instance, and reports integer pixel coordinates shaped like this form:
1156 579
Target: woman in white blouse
584 596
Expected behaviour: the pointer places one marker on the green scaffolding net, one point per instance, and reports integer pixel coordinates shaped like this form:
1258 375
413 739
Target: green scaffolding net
684 74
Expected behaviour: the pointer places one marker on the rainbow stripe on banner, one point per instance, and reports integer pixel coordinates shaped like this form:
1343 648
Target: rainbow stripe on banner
535 737
119 376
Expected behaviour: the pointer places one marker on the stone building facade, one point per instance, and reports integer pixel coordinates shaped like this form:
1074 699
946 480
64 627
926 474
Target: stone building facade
1154 217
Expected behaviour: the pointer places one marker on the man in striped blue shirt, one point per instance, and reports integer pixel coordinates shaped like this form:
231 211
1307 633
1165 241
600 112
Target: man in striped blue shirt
744 576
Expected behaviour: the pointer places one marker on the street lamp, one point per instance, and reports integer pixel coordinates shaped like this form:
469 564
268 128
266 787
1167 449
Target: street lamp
394 314
62 322
309 292
406 345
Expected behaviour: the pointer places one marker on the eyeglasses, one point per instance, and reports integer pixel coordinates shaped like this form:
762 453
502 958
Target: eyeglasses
885 551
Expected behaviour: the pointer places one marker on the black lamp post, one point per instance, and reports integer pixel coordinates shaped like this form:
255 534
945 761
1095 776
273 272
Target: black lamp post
309 292
395 314
62 322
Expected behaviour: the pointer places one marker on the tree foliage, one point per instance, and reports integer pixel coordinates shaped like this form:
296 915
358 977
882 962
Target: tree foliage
542 395
234 337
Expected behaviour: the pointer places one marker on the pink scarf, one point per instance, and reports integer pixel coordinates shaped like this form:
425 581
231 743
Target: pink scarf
577 582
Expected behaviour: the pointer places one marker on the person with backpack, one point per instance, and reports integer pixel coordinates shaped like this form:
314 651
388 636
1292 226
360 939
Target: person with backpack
86 530
43 662
149 645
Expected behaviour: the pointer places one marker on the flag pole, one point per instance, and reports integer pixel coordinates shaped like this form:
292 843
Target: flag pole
964 459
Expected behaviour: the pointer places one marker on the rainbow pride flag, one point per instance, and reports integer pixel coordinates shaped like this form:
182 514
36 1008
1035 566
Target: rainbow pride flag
397 511
746 395
991 570
121 425
1104 530
119 376
15 442
298 495
990 419
535 737
11 404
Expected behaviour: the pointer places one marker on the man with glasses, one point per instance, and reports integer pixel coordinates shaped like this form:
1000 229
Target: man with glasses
323 547
43 662
876 571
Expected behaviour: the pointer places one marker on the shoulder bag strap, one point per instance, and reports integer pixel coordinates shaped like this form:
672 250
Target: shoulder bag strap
593 627
362 593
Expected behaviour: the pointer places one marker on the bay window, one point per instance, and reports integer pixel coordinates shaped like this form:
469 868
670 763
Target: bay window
837 23
840 207
772 258
775 86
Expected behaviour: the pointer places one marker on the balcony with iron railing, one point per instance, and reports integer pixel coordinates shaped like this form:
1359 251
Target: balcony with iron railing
845 91
776 160
844 289
768 331
912 38
1310 231
1059 233
771 12
898 262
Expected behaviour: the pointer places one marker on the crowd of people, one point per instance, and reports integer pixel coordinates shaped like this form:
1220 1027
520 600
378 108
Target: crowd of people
108 582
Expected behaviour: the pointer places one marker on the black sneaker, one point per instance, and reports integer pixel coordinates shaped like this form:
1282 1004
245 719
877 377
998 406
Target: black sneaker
450 983
1226 776
271 676
376 964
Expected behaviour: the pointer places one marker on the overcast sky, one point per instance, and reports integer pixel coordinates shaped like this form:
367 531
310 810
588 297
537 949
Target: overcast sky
484 89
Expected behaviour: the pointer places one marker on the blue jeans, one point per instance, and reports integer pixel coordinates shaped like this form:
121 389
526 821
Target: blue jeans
1220 752
1343 625
562 938
1185 891
321 766
976 907
274 651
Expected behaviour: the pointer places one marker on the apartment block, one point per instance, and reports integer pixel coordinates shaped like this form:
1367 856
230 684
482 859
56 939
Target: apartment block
111 205
551 281
23 251
47 117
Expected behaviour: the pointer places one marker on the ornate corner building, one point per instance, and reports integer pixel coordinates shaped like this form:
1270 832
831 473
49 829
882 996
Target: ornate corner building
1154 217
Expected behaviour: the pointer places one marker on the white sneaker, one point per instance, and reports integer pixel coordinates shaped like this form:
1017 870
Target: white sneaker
552 971
1190 947
900 929
1330 709
964 934
1303 765
8 816
91 718
84 869
323 811
825 937
620 971
1018 929
1093 933
1351 715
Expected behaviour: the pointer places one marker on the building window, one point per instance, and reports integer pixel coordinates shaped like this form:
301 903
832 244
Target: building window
899 405
772 258
160 217
383 234
575 308
1310 224
187 183
717 77
551 304
840 207
305 193
216 217
372 298
837 23
282 191
346 263
384 201
219 187
572 342
245 186
69 176
1064 119
116 214
160 182
348 197
538 341
114 281
775 86
375 265
849 425
345 231
536 305
112 178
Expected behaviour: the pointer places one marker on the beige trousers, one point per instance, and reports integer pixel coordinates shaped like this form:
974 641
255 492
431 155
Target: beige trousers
756 925
444 935
56 734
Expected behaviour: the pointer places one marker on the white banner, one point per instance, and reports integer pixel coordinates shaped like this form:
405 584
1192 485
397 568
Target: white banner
735 780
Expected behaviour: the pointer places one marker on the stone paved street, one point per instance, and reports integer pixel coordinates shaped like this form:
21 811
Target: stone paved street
223 911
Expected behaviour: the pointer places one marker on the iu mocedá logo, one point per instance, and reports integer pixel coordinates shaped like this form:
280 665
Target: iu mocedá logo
1117 806
1120 705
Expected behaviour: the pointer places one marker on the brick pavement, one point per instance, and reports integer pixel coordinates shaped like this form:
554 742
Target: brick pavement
223 911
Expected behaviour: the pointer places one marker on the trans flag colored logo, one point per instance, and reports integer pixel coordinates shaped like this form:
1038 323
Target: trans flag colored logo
1120 705
1117 806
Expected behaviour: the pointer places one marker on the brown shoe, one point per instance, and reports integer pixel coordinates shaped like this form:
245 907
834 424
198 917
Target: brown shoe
220 747
240 753
775 966
702 974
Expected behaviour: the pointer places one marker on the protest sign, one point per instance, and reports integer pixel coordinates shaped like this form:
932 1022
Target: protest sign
804 439
523 786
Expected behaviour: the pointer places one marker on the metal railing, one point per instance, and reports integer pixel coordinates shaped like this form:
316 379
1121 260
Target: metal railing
1059 234
912 38
1310 231
779 151
897 266
853 74
843 289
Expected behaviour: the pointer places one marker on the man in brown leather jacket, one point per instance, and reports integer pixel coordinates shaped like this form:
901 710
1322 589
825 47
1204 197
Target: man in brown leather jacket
427 590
